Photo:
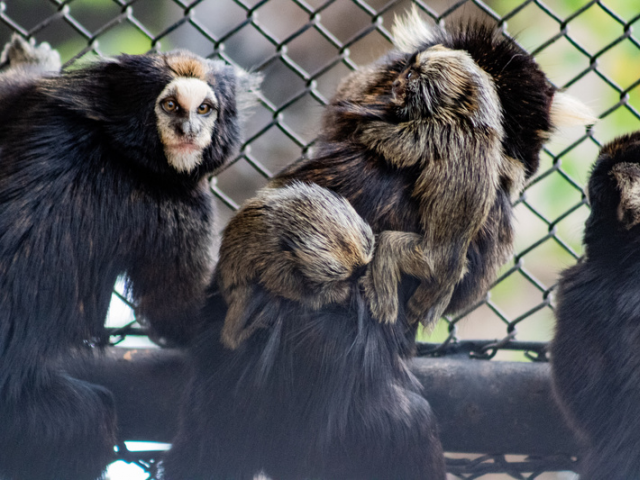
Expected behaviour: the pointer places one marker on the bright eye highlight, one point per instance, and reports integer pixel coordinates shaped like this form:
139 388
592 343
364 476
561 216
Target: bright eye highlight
169 105
204 109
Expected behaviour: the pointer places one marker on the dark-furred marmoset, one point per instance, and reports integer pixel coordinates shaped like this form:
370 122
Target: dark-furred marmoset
595 353
424 149
103 172
442 132
315 387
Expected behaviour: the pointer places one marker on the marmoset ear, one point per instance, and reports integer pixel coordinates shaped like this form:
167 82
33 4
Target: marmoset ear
627 176
567 111
247 90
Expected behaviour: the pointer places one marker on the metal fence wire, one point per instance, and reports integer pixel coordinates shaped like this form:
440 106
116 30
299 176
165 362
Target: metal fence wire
304 48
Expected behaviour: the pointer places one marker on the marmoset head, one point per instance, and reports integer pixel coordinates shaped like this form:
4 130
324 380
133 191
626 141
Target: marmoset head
531 106
614 193
186 112
316 243
320 235
442 82
191 107
173 112
470 71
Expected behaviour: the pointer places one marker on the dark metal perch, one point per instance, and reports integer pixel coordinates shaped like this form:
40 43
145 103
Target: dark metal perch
482 406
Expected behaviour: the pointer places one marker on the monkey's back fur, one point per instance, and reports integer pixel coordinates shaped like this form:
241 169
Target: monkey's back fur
88 194
303 243
316 387
595 353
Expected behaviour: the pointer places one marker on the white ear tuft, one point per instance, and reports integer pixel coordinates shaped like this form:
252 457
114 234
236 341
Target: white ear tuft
247 90
410 31
567 111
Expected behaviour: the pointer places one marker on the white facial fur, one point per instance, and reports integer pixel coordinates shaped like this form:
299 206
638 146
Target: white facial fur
185 132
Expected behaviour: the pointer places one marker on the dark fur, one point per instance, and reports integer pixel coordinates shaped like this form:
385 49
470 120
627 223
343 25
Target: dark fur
86 194
316 388
595 352
429 175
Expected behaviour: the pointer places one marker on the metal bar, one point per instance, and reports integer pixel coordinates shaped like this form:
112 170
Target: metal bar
482 406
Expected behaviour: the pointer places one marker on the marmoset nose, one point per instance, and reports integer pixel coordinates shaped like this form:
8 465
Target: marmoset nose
188 129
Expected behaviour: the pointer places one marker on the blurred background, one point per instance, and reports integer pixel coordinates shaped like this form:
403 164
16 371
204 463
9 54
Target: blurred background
304 48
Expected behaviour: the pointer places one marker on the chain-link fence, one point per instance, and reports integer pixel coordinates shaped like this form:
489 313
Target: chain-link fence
304 48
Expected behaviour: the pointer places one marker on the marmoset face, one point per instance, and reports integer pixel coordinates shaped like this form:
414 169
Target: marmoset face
186 113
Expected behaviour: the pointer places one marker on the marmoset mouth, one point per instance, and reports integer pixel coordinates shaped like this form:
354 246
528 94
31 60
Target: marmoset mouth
397 92
186 147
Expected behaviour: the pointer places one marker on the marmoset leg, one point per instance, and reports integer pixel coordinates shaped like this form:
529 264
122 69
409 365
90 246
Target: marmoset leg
403 253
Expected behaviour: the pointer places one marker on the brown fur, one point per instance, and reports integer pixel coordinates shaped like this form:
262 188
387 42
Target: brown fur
627 176
435 140
276 240
186 64
453 149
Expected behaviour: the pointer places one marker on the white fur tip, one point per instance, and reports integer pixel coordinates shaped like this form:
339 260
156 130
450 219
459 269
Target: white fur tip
567 111
410 31
248 91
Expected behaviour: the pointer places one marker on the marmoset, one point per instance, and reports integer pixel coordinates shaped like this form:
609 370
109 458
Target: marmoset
303 243
103 172
316 387
595 357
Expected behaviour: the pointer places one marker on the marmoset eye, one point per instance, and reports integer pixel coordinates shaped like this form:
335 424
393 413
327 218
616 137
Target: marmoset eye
169 105
204 109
